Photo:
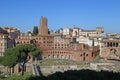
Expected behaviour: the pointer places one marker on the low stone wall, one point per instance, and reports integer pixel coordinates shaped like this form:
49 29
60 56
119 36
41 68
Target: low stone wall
16 69
60 68
106 66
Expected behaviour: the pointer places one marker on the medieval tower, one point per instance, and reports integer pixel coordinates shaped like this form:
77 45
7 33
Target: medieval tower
43 28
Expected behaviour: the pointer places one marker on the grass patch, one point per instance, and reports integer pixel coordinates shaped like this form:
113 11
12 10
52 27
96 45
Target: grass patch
17 77
51 62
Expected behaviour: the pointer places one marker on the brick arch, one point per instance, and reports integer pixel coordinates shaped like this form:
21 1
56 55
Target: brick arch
57 54
33 41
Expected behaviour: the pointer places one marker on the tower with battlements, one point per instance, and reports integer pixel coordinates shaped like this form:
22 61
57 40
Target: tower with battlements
43 28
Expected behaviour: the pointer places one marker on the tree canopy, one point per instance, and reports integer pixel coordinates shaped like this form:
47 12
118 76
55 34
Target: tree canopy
9 59
18 54
35 30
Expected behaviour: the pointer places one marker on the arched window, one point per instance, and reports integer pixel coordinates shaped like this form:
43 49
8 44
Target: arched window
116 44
92 54
76 33
83 54
86 54
48 56
18 42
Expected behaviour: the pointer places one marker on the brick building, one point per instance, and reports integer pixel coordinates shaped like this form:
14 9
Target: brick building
91 33
63 50
5 41
110 49
43 28
13 32
76 32
59 46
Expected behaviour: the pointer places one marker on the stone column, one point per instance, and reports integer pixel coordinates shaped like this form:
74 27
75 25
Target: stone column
112 44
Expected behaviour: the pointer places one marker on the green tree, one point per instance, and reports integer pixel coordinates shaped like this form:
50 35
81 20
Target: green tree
9 60
23 51
19 55
48 31
35 30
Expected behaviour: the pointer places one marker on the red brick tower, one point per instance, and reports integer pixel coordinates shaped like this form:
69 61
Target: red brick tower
43 28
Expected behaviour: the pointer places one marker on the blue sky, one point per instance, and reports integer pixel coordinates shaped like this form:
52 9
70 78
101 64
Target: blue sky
86 14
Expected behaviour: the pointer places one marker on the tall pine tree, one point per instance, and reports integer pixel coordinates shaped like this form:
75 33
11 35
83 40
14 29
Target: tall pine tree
35 30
